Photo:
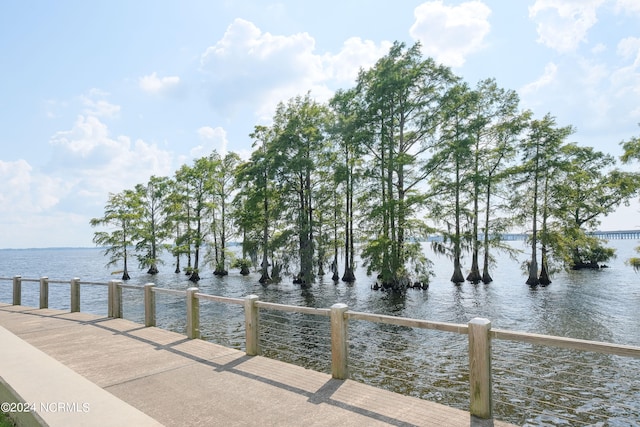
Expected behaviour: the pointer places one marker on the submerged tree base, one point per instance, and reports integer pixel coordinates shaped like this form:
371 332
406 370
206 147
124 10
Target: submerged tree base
544 279
264 278
588 265
533 281
348 276
486 278
299 279
457 277
474 275
400 285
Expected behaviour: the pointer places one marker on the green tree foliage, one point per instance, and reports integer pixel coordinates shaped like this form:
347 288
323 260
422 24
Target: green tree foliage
257 199
408 147
539 150
153 228
178 213
348 133
121 215
222 179
297 150
400 99
632 152
586 188
453 161
196 181
497 122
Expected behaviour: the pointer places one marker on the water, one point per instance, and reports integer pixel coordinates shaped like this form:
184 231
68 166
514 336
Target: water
600 305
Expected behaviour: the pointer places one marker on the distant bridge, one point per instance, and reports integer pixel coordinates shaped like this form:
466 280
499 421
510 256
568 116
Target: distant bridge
615 234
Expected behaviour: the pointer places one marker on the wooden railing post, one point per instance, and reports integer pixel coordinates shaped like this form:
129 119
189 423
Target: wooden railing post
75 295
44 292
193 314
339 346
149 305
251 325
480 372
115 299
17 290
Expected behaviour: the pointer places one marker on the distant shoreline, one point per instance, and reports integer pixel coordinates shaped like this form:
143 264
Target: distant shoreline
52 248
607 234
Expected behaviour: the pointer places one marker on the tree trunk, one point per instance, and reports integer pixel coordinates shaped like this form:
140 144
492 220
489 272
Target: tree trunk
305 252
457 276
125 272
348 275
264 265
486 277
474 275
221 269
533 280
195 277
544 279
544 272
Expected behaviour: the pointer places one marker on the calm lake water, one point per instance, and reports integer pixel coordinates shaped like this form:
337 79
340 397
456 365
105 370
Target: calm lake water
601 305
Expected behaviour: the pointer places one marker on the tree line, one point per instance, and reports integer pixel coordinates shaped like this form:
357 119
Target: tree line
411 150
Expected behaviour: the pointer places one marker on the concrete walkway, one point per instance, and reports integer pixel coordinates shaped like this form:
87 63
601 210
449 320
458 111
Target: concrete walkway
180 382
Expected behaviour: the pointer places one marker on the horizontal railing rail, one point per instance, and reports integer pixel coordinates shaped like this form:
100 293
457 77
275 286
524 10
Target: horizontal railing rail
479 331
216 298
408 322
567 343
293 309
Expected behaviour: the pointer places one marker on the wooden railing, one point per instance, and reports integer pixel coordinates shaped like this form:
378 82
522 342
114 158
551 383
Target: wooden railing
479 331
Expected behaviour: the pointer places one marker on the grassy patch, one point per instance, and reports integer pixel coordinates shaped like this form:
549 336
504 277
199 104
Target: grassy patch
5 421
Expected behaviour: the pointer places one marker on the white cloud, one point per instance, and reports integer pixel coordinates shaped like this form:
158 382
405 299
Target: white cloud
629 48
88 141
630 6
94 164
159 85
626 80
248 66
596 94
212 139
354 55
255 69
599 48
549 75
95 104
450 33
563 24
25 192
593 94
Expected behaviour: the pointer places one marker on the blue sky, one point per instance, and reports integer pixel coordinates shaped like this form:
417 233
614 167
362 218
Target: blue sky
97 96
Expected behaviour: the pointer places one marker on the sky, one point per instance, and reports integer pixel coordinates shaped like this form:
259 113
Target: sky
97 96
